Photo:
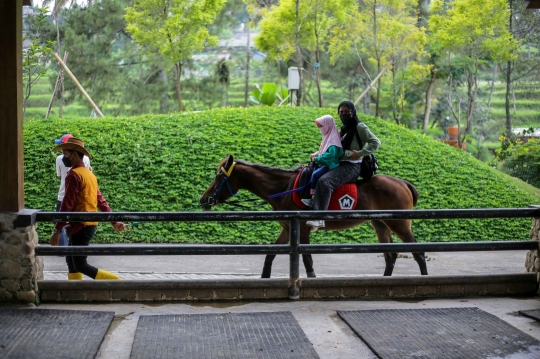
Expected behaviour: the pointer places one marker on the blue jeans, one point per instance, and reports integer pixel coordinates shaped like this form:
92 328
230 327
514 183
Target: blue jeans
319 171
63 237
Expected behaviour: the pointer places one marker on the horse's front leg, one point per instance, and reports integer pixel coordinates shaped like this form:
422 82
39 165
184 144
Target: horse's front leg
283 238
306 258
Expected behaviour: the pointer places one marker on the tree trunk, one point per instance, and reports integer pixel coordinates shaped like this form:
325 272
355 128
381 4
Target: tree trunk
378 89
318 77
394 97
279 75
178 67
366 98
299 60
429 91
514 98
61 103
495 69
378 58
224 96
507 99
509 80
57 88
246 89
423 13
164 100
61 76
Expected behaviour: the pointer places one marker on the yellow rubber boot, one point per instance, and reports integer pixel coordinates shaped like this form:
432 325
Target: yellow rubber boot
104 275
75 276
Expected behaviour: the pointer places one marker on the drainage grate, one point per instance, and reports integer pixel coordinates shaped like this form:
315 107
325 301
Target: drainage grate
46 333
243 335
452 333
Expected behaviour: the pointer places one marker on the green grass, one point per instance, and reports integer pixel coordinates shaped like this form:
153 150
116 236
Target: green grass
165 162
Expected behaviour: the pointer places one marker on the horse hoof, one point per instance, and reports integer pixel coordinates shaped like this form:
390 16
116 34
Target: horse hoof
311 274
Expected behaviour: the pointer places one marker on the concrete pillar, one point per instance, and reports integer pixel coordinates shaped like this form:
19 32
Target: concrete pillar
20 269
532 261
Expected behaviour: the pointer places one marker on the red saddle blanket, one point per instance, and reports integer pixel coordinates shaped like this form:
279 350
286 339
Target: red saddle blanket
344 197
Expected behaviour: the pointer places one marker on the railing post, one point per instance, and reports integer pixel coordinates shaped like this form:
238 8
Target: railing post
532 260
294 272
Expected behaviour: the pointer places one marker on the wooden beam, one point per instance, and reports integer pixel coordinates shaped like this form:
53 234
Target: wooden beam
372 83
79 86
11 134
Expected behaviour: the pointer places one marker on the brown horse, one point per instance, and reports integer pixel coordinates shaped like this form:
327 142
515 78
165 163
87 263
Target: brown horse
381 192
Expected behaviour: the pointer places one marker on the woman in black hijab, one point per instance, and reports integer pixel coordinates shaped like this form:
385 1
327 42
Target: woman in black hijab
357 141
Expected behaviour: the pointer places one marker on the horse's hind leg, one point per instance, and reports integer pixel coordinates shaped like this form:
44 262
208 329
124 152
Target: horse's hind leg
308 263
306 258
402 229
385 236
283 238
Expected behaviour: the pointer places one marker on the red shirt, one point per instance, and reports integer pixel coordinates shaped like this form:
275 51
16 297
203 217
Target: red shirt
73 185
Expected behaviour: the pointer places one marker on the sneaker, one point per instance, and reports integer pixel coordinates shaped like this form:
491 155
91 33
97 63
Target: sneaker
315 225
307 202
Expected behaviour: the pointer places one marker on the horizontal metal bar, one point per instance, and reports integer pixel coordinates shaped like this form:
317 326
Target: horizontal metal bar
417 247
417 280
134 250
286 215
160 249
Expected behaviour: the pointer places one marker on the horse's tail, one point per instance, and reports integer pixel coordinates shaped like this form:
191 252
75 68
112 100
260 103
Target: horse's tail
414 192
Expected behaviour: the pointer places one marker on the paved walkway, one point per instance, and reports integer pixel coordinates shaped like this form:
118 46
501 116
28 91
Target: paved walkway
62 275
330 336
326 265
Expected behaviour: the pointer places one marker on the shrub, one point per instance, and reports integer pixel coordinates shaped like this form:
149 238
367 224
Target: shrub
165 162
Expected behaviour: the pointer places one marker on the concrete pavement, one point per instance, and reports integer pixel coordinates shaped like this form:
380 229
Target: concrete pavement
331 337
326 265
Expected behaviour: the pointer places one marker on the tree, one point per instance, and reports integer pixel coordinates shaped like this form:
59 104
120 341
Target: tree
55 15
525 26
94 37
316 19
222 73
37 54
256 9
173 28
385 31
474 31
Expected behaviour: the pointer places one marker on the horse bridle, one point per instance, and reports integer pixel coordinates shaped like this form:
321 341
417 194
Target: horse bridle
226 174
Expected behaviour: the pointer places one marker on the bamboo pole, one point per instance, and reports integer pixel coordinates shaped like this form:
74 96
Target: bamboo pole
372 83
58 79
64 66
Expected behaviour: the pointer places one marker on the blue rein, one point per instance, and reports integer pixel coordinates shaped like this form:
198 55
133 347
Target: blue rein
225 180
218 191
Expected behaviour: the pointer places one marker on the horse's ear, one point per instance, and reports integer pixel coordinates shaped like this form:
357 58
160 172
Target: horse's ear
230 161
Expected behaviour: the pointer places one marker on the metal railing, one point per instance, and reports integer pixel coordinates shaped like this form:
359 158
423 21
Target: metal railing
294 249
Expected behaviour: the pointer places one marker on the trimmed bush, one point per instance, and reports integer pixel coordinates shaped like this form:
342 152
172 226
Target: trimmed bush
165 162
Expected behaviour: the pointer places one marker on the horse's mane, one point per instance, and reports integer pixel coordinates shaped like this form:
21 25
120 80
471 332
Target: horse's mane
268 169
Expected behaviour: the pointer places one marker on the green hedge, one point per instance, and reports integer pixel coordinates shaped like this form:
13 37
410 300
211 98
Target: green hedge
165 162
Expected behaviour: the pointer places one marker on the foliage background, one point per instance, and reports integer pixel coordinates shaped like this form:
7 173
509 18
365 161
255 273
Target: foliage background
165 162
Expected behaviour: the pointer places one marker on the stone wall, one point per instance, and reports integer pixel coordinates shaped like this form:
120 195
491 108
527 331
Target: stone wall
20 269
532 262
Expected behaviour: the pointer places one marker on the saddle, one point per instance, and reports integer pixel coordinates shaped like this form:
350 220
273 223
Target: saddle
344 197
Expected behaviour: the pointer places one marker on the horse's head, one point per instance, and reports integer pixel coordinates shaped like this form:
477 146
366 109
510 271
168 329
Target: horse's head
222 187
